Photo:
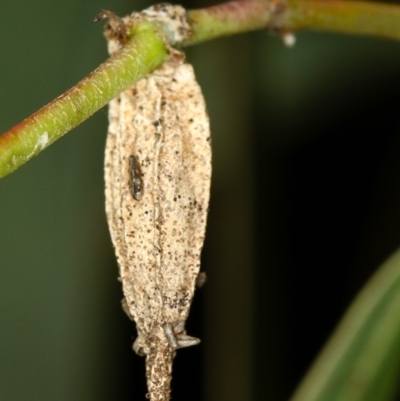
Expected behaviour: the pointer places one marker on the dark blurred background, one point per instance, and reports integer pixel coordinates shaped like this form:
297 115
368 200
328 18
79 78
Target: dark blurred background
304 208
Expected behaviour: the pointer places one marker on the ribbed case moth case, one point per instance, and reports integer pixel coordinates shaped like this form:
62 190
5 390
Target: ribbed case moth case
157 174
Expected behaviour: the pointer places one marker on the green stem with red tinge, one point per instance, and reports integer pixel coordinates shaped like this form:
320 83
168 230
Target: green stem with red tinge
146 50
350 17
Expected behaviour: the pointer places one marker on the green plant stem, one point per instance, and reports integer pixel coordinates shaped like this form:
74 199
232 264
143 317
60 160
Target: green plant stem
142 54
355 17
147 50
231 18
352 17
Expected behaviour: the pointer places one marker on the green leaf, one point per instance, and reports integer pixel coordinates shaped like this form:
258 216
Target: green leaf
361 361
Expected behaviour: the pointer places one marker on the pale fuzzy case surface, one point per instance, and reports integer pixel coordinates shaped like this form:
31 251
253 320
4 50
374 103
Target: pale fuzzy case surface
157 174
162 121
